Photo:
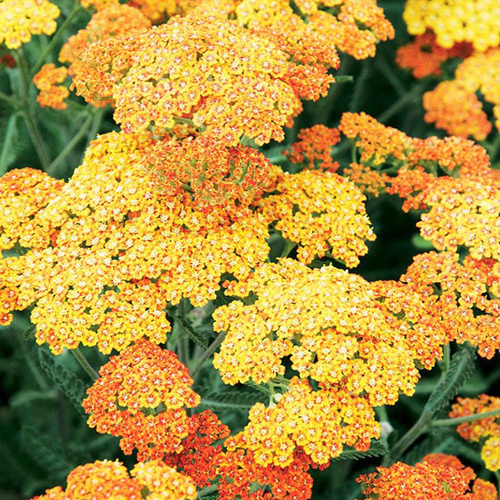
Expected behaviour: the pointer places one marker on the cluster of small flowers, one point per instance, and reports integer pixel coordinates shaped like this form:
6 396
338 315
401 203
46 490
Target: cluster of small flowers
474 21
106 479
20 20
325 321
436 477
48 81
424 55
485 430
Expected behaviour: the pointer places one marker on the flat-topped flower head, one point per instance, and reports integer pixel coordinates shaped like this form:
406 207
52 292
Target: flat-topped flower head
21 20
485 430
140 397
106 479
455 21
436 477
317 424
111 21
321 212
452 108
314 148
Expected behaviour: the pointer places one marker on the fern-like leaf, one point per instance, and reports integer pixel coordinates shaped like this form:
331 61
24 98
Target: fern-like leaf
239 401
460 370
69 383
377 449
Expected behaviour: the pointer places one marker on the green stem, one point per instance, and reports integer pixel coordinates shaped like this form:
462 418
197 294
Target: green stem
208 352
206 491
467 418
445 363
421 426
387 71
96 124
12 101
69 147
27 112
84 364
55 39
402 102
9 134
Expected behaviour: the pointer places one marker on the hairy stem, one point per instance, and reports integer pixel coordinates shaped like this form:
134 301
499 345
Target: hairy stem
84 363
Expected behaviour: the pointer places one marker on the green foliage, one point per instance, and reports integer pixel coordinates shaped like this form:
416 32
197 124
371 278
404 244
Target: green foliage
72 386
460 370
377 449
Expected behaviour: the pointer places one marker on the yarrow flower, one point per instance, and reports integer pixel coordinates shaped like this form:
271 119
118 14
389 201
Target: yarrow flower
324 321
452 108
486 430
110 249
48 81
313 149
455 21
465 301
435 477
140 397
107 479
424 56
321 212
21 20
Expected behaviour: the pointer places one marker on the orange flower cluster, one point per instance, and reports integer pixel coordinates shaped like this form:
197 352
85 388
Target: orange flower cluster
223 182
224 79
455 21
112 21
485 430
424 56
243 477
21 20
314 147
322 212
369 181
110 250
47 80
139 397
463 288
437 477
376 142
356 28
452 108
106 479
199 458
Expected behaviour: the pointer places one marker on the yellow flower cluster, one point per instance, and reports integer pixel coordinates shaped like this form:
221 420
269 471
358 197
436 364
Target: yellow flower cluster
475 21
481 72
322 212
110 250
106 479
337 328
319 423
23 193
463 212
486 430
20 19
47 80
